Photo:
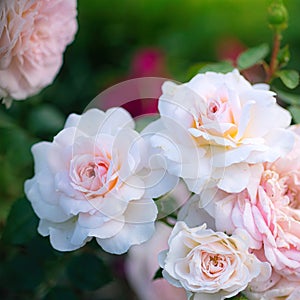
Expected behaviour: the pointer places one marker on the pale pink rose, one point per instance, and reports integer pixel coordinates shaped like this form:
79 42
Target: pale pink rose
142 264
269 209
210 265
283 290
33 37
90 182
215 126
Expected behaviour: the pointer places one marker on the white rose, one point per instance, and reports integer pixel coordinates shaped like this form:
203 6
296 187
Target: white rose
215 126
87 184
208 264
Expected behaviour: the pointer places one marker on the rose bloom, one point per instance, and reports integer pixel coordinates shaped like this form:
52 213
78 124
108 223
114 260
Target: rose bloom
282 290
208 264
33 37
269 210
215 126
88 183
142 264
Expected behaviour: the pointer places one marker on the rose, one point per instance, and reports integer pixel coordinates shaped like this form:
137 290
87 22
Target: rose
90 182
215 126
269 209
272 288
33 35
283 289
142 263
208 264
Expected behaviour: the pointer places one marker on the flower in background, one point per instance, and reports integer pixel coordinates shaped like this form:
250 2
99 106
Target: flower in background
147 62
142 263
230 48
33 37
209 264
139 90
213 128
92 181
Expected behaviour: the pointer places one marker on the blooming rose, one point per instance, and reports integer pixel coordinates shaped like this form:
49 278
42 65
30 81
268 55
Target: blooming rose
88 183
269 209
283 290
142 263
215 126
33 37
208 264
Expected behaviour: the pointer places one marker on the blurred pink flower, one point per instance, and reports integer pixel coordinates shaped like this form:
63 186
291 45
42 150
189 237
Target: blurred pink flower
140 89
269 210
148 62
142 263
33 37
230 48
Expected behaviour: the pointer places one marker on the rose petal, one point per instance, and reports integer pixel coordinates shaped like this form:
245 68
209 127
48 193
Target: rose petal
131 234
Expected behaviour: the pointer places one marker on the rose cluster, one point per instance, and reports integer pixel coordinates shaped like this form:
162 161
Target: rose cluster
228 143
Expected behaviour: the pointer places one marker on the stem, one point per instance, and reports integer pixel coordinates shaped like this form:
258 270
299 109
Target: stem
274 62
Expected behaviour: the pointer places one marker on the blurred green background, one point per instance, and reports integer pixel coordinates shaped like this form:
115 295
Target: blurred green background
113 39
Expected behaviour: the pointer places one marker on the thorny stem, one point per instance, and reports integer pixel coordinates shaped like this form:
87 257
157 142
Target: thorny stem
274 62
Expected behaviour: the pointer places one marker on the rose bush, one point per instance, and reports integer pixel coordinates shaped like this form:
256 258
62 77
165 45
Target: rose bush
33 37
214 127
209 264
93 181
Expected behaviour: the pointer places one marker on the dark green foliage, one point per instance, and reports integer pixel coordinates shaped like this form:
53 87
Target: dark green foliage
21 223
88 272
158 274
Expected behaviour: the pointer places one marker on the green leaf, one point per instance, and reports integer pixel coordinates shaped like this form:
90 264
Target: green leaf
295 111
283 56
61 293
22 272
239 297
289 77
88 272
22 223
221 67
158 274
12 140
42 251
193 70
142 122
166 205
288 97
45 119
5 120
252 56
